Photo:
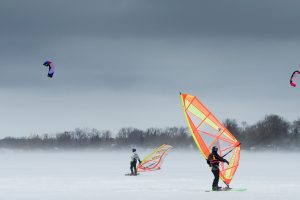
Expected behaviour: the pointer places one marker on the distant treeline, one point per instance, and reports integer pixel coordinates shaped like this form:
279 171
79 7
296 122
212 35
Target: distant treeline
273 133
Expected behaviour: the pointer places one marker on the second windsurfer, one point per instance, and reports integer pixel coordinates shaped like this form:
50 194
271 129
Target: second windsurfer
134 158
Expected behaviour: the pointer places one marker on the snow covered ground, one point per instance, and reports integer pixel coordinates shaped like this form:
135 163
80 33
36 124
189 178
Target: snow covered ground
100 175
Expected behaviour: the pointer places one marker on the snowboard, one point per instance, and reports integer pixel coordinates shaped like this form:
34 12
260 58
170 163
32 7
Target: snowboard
228 190
129 174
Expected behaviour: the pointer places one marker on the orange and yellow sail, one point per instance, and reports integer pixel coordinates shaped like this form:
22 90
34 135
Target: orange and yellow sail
208 131
155 159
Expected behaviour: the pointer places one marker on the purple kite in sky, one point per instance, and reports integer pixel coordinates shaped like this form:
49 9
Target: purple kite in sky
51 68
294 77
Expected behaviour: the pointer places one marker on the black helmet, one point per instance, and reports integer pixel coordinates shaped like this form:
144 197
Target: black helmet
214 149
133 150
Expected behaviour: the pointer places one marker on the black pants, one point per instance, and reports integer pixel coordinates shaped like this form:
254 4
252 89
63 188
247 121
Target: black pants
216 173
133 167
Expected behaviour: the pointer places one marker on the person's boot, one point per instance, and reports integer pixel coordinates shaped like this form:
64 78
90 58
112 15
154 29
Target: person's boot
217 188
227 188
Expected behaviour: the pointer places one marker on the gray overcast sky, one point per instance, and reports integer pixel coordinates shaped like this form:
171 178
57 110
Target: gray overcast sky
122 63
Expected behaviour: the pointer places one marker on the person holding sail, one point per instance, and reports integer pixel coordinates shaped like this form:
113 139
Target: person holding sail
134 158
213 161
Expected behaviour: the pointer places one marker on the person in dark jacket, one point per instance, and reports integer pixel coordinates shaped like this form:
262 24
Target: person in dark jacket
213 161
134 158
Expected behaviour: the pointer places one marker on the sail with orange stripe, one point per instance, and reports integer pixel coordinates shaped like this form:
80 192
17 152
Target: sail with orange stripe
208 131
155 159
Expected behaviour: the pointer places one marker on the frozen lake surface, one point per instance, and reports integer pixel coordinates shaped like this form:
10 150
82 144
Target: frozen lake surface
184 175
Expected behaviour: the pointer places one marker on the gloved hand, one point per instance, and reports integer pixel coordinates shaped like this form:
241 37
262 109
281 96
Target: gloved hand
207 161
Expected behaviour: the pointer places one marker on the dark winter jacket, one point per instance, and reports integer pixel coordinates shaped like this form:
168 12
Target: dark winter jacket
214 159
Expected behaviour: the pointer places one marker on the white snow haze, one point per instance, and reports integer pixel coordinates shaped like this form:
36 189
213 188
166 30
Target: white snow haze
95 175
